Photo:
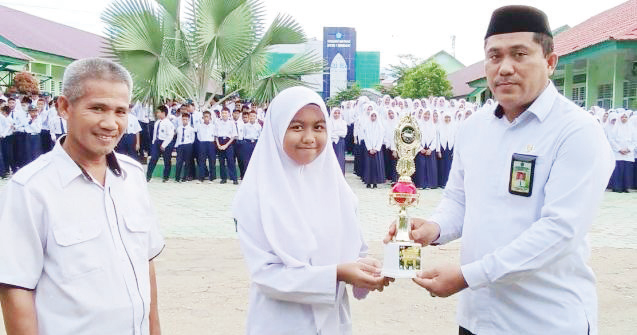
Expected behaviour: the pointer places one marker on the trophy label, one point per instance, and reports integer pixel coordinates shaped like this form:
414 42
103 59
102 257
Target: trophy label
409 257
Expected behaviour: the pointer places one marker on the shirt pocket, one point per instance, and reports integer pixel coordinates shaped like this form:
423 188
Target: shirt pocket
78 249
138 230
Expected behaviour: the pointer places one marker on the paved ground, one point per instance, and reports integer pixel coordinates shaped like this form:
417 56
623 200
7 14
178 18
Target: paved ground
203 283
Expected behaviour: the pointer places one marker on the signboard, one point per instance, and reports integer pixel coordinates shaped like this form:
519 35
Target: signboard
339 53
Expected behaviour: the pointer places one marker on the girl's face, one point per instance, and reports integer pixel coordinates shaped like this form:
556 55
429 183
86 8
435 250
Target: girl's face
370 109
426 116
612 121
306 135
624 118
435 116
373 117
337 114
390 114
447 119
605 117
467 114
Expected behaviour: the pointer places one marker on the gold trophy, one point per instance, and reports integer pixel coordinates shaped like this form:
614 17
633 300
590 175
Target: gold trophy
402 255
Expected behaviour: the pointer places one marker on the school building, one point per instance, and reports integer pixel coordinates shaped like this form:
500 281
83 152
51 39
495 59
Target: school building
42 47
597 62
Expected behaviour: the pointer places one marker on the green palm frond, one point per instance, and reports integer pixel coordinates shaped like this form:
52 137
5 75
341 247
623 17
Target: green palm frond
288 75
283 30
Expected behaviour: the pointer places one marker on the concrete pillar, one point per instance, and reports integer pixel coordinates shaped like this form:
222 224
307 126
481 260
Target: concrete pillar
568 81
618 80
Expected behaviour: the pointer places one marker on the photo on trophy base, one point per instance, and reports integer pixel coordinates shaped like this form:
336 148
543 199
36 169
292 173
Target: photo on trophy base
409 258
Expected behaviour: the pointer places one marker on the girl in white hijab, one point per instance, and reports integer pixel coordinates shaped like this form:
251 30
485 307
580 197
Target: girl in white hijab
339 131
447 135
297 225
374 168
390 155
426 175
623 140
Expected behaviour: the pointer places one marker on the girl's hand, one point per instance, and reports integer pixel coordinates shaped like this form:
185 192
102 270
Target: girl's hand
360 275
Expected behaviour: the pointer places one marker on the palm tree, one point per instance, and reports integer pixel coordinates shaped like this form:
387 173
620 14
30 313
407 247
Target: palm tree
218 40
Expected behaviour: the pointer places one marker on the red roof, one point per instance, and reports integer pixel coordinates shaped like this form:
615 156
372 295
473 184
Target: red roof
35 33
618 23
8 51
460 78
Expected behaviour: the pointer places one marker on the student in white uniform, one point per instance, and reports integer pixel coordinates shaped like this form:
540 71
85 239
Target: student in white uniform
623 140
207 148
297 225
184 146
78 234
161 144
226 132
526 183
131 141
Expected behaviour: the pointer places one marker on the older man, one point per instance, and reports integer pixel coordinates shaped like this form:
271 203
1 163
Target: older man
77 231
527 179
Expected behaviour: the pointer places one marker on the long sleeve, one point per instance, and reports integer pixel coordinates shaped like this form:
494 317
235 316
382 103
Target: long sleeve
571 199
306 285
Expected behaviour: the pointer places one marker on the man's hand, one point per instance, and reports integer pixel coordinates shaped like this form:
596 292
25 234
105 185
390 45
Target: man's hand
442 281
421 231
18 308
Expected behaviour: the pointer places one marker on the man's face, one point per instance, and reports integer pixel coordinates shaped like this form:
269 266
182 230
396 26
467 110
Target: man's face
185 119
206 118
253 117
224 115
160 115
97 120
235 115
245 118
40 105
516 68
11 104
33 114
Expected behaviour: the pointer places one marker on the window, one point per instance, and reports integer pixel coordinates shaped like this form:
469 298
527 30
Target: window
559 85
578 94
605 96
630 94
42 86
60 88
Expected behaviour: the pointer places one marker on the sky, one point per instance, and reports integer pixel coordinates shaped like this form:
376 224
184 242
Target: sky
393 27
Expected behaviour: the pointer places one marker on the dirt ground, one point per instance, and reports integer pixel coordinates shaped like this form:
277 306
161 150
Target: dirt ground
203 285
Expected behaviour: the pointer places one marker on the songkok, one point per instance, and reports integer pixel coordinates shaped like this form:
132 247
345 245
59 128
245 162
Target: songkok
515 19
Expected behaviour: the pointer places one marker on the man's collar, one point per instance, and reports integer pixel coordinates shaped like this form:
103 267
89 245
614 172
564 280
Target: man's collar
540 107
71 169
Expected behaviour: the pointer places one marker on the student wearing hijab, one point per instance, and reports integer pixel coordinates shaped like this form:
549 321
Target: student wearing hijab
339 131
373 135
447 133
390 157
426 167
297 225
623 141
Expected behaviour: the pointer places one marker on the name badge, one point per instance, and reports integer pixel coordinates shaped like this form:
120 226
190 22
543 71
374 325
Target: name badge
522 170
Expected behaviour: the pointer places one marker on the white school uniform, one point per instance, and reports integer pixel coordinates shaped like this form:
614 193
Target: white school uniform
251 131
133 125
165 133
206 132
185 135
226 128
295 224
82 247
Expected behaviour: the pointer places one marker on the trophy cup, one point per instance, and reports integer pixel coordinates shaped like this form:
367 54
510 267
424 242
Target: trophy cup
402 256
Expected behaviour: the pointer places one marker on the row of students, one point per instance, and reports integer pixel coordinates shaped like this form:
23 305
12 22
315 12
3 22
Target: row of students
27 130
203 140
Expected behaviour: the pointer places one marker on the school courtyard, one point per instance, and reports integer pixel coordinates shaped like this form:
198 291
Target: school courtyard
203 282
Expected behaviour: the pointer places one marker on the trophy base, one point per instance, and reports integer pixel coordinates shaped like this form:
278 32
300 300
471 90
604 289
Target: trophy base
402 259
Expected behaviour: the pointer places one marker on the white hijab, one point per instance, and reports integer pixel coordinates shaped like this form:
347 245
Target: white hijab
339 126
374 132
447 131
428 131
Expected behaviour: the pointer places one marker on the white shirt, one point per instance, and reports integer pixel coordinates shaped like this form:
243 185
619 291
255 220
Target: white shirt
84 248
33 126
58 126
226 128
163 131
185 135
251 131
206 132
524 258
133 125
5 126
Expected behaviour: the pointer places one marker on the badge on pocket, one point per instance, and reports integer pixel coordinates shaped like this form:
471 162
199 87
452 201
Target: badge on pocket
522 170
